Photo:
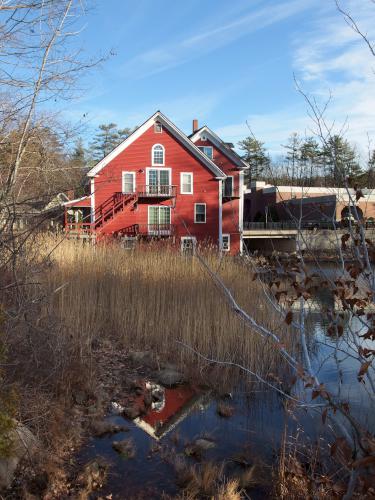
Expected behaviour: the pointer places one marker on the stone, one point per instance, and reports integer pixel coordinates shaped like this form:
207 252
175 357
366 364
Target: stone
102 427
144 358
200 445
131 412
24 443
224 410
125 448
169 377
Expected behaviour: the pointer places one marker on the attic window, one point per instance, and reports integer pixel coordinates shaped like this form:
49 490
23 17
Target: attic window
207 150
158 128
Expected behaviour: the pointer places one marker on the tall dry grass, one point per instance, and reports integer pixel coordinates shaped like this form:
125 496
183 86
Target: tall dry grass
153 297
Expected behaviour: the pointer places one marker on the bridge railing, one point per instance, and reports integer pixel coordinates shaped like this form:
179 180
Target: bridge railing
289 224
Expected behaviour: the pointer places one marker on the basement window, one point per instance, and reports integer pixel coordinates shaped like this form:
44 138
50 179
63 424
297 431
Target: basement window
226 243
188 244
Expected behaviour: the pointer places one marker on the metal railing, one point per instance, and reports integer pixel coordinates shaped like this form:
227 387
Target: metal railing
290 224
157 230
156 191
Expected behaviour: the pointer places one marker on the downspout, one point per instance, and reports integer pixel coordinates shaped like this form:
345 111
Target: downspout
92 185
220 216
240 211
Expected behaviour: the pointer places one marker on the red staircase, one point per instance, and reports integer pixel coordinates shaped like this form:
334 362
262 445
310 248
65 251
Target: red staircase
112 206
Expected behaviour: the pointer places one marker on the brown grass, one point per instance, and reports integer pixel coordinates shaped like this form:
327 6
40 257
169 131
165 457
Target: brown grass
151 299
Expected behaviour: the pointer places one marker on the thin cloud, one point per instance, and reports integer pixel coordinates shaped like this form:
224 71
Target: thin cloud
212 38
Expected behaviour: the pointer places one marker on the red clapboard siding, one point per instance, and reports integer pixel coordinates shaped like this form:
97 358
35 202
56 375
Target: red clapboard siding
136 158
231 208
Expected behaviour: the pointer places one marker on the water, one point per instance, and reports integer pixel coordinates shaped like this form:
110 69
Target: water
254 431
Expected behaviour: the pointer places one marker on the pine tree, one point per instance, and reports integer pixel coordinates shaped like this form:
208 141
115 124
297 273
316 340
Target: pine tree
293 156
341 161
105 141
310 157
255 155
370 174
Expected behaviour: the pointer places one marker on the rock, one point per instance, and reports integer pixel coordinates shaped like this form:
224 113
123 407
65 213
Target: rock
224 410
126 448
23 443
102 427
144 358
169 377
200 445
204 443
117 409
132 412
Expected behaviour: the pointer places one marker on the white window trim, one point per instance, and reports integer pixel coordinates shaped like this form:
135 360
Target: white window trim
158 168
225 235
123 181
195 213
212 151
156 125
225 192
181 183
189 238
152 156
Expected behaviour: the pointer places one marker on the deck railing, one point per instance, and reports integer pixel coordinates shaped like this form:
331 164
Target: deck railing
156 191
147 230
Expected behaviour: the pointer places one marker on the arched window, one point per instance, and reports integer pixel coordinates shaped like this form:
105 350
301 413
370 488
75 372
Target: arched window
158 154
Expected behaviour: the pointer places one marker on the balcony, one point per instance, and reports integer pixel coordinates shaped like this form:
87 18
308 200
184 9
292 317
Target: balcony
156 191
230 193
153 230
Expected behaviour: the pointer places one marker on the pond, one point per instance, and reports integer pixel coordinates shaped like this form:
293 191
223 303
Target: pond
251 434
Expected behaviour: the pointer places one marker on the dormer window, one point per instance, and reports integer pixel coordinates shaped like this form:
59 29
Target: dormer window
207 150
158 155
158 128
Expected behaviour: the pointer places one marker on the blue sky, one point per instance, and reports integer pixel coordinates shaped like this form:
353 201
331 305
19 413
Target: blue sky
228 63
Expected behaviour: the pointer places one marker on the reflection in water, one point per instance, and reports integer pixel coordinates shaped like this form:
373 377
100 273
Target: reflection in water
178 416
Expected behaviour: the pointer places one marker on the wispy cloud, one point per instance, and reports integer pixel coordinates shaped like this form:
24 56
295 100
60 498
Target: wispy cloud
211 37
328 59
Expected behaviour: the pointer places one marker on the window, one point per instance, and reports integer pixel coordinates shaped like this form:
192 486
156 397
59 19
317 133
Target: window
228 186
128 182
159 221
226 242
159 181
207 150
200 213
158 128
158 155
188 244
186 183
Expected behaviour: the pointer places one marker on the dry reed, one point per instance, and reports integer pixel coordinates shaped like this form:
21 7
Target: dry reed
152 298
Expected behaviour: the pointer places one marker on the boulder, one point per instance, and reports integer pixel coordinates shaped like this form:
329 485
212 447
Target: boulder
102 427
169 377
132 411
125 448
197 448
143 358
23 444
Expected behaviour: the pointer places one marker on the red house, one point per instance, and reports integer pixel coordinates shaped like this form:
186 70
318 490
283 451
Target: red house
159 183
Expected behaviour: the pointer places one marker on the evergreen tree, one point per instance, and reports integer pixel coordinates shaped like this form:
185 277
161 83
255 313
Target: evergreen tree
255 155
108 137
293 156
310 157
370 174
341 160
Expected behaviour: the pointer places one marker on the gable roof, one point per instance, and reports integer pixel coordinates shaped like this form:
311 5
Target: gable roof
176 132
220 144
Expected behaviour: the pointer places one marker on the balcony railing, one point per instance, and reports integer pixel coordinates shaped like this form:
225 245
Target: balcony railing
156 191
155 230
